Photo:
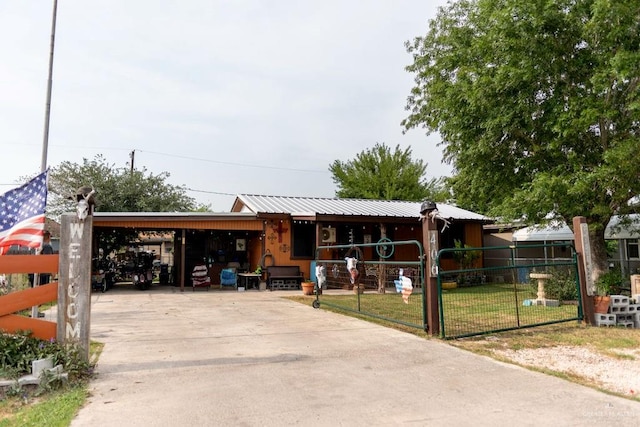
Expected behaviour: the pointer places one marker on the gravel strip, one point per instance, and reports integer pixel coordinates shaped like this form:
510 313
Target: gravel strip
620 375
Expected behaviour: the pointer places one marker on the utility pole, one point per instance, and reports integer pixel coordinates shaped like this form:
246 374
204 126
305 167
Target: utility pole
132 155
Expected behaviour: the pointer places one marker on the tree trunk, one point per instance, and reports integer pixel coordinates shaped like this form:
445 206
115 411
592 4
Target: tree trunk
598 253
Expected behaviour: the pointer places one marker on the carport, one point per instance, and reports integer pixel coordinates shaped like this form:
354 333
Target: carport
215 238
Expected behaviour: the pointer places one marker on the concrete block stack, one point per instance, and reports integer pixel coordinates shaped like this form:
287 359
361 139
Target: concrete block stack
623 311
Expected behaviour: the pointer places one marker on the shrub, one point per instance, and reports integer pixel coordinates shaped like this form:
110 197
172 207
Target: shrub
18 350
561 286
609 283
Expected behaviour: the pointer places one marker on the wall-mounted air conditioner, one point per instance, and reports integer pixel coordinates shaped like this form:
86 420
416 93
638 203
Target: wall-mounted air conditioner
328 235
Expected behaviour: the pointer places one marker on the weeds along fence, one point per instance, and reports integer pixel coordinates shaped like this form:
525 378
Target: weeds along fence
379 290
507 292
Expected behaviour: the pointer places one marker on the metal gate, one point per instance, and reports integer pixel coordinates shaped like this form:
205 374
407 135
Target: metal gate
509 291
386 280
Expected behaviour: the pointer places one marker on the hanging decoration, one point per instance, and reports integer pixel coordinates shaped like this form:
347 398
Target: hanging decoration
272 238
280 230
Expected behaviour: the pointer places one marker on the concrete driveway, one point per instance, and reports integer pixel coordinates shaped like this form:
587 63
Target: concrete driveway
225 358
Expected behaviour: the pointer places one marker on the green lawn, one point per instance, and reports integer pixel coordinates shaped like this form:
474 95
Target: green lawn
466 311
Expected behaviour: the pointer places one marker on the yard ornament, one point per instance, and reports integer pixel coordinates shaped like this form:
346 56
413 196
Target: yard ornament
321 275
352 269
86 201
405 287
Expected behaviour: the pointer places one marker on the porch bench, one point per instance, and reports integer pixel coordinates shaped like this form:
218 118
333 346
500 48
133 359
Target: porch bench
284 277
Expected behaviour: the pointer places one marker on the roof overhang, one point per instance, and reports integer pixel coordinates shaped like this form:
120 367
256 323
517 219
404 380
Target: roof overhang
176 220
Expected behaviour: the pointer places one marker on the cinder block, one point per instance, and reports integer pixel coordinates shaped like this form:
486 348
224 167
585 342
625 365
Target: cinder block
619 301
625 324
619 309
636 320
633 308
636 298
605 319
624 317
551 303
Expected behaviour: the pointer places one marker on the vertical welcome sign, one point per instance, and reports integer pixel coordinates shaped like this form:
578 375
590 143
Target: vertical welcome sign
74 278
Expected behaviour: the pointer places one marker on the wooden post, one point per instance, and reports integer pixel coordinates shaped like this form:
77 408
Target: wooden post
382 271
430 241
183 267
74 290
583 247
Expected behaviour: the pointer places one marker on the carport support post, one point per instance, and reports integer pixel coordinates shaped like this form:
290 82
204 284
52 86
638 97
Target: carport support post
182 258
74 282
430 241
583 248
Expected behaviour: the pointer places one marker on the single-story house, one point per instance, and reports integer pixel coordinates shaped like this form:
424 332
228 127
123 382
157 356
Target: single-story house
277 230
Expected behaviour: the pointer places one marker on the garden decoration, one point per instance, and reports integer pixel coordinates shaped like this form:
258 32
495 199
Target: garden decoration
321 276
404 286
542 298
352 268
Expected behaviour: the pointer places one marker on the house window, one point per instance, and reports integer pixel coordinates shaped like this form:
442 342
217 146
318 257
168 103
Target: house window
633 251
304 239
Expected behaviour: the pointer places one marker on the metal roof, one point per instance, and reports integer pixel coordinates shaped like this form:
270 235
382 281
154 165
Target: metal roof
311 206
617 228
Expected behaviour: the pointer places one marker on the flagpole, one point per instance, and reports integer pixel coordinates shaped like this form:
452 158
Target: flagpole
47 114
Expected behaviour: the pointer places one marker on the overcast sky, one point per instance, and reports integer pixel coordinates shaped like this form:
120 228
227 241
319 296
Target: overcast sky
229 97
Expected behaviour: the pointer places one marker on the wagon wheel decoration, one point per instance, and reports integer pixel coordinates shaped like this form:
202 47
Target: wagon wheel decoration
384 248
335 271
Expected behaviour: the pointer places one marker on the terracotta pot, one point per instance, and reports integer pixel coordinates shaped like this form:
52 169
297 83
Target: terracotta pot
307 288
601 304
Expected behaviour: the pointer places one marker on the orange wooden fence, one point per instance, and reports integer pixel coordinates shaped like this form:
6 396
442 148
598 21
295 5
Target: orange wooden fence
22 300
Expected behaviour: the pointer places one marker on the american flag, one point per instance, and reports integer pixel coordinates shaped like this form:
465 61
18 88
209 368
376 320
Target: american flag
22 214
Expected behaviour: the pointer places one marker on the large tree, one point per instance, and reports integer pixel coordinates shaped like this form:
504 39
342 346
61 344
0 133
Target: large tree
538 106
377 173
118 189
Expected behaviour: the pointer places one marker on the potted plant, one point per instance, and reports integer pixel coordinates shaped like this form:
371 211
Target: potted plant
308 287
605 285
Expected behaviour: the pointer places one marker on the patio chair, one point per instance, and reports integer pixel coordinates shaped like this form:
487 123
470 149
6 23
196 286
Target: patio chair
228 277
200 277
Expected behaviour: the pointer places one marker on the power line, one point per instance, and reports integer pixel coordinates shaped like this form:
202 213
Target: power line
188 158
220 193
232 163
